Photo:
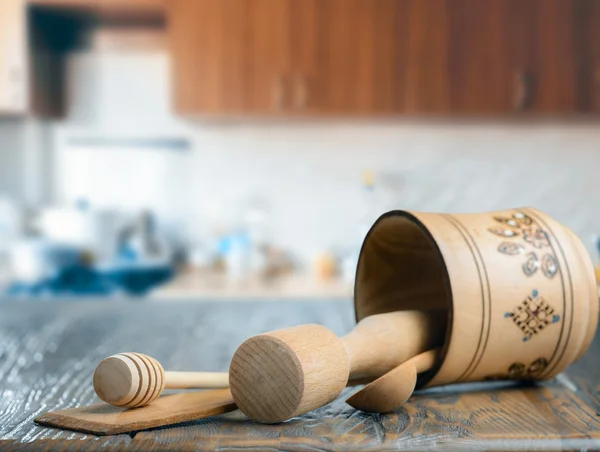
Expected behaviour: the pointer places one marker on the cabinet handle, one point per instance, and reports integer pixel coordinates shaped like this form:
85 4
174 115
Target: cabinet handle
523 90
301 92
279 93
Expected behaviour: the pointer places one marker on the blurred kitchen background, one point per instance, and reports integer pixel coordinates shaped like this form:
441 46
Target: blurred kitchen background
242 148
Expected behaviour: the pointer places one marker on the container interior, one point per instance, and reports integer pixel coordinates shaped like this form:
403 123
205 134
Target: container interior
401 268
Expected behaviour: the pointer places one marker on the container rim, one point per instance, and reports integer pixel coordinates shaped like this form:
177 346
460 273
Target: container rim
424 378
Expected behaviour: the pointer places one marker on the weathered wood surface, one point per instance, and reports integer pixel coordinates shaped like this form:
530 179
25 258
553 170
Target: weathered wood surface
48 351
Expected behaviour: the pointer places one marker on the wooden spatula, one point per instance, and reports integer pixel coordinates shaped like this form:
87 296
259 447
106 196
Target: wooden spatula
103 419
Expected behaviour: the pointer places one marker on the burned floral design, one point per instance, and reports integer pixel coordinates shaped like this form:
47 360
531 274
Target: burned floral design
511 249
520 371
521 225
536 237
549 266
531 265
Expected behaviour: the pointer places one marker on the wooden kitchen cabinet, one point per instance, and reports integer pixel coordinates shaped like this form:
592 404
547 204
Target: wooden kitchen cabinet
284 57
13 57
385 57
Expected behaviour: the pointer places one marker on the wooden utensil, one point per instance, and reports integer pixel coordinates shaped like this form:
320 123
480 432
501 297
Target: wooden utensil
170 409
285 373
393 389
133 380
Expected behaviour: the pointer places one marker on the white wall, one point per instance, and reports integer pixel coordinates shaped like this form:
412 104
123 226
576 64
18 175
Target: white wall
308 174
311 174
11 157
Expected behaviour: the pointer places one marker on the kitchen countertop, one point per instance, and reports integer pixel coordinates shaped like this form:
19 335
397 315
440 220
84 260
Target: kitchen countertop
48 351
195 285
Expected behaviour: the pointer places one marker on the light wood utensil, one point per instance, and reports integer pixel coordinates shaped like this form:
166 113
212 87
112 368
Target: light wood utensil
170 409
393 389
278 375
133 380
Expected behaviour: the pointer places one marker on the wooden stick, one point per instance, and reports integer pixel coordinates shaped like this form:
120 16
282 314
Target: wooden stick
196 380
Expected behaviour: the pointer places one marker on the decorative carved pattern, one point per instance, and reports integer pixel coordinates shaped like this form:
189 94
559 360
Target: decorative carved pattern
510 248
549 266
503 232
522 225
520 371
531 265
536 237
533 315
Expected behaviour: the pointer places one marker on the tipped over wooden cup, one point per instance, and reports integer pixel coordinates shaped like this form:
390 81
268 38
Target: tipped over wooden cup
518 288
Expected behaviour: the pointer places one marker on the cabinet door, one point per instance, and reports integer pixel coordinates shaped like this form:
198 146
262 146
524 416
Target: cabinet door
13 57
228 56
359 56
555 59
195 33
269 66
423 56
477 58
521 47
306 69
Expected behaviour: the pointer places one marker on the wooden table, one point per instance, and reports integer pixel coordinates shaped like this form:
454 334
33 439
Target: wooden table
48 351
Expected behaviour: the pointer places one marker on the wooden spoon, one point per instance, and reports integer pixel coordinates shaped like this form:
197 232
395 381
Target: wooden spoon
393 389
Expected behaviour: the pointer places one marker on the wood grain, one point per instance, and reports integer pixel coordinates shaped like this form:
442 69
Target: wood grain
48 351
555 56
307 72
476 57
510 417
426 78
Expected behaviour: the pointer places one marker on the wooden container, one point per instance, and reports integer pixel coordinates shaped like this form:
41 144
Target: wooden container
518 288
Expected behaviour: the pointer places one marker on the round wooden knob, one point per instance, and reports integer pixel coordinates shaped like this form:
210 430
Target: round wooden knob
276 376
129 380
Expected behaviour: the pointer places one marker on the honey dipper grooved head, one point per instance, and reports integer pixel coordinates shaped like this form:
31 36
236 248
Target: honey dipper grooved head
129 380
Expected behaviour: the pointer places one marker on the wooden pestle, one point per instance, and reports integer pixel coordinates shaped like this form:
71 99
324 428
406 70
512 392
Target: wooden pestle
132 380
278 375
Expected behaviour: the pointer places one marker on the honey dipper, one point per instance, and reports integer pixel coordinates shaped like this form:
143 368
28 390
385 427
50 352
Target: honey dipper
133 380
278 375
